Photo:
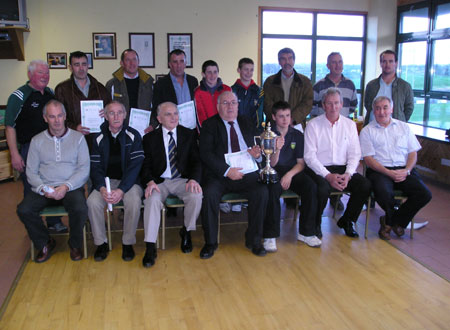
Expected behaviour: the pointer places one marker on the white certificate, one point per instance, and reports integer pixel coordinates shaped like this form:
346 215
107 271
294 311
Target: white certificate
140 119
187 114
242 159
90 117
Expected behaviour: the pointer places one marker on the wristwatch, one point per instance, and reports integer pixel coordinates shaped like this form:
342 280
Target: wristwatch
408 172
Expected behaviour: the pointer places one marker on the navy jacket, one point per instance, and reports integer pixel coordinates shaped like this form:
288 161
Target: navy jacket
132 156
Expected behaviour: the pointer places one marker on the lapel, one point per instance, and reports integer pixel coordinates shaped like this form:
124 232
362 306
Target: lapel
246 133
171 90
159 147
223 133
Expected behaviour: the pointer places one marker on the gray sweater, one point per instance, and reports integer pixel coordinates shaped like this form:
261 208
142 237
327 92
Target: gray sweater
56 161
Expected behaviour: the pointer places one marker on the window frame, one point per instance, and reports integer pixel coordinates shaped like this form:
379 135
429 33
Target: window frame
430 37
314 37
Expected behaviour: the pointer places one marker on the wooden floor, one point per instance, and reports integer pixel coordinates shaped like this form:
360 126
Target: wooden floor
346 284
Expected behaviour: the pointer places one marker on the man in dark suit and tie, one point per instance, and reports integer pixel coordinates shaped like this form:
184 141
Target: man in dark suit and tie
171 166
177 86
222 134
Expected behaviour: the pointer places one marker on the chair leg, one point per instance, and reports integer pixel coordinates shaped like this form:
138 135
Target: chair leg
411 232
32 251
163 231
367 217
297 200
84 242
218 229
108 224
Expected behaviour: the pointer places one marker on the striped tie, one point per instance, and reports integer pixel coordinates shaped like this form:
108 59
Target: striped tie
172 157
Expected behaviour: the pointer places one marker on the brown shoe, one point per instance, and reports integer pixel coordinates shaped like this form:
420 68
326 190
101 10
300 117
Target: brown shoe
385 230
75 254
45 253
398 230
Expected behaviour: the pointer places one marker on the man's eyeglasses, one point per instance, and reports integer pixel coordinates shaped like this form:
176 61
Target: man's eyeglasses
232 103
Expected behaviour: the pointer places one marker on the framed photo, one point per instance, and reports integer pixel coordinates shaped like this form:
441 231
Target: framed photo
90 60
57 60
181 41
104 45
158 76
144 45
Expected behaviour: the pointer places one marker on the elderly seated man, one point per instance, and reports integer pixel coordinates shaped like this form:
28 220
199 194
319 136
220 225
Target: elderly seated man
57 169
389 148
117 154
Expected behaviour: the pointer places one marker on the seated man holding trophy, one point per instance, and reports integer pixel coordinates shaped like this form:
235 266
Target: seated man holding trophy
288 162
224 139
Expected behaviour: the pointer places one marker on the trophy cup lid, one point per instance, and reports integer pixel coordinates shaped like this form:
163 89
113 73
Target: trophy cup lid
268 133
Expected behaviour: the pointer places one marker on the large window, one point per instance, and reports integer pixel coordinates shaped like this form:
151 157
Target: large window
423 43
313 35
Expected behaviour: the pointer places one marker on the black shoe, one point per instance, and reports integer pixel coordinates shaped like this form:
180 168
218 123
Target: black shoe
127 252
102 252
186 242
45 253
207 251
257 250
150 255
348 228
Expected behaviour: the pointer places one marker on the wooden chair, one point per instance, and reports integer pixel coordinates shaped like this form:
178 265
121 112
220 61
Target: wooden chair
58 211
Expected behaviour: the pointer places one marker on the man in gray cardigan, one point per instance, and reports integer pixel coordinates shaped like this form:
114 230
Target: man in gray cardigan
57 169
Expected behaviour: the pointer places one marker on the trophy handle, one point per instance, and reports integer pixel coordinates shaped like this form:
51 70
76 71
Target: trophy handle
254 140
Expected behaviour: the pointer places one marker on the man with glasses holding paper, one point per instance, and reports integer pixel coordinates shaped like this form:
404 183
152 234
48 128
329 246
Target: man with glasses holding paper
229 137
117 154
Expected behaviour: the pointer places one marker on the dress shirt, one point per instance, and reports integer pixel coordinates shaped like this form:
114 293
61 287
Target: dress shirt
182 92
329 144
385 90
130 77
85 89
389 145
166 137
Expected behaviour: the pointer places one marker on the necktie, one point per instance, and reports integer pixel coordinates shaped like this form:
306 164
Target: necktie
233 138
172 157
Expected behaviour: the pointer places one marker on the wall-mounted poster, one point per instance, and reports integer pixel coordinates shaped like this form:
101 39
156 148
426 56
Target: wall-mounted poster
181 41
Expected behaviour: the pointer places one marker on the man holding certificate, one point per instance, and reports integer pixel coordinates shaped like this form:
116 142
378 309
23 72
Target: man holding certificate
171 166
177 86
222 137
117 154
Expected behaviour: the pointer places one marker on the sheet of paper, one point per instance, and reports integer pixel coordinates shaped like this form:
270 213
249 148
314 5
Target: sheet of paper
90 117
139 119
187 114
242 159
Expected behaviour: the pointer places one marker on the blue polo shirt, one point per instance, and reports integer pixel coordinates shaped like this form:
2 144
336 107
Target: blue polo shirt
291 151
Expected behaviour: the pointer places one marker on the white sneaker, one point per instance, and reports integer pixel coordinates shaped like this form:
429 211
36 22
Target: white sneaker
270 244
312 241
225 207
418 225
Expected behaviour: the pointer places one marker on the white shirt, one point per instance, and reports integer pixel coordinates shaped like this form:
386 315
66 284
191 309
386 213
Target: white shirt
329 144
389 145
166 137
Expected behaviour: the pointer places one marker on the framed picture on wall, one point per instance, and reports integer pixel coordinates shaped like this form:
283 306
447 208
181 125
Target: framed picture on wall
144 45
104 45
181 41
57 60
90 60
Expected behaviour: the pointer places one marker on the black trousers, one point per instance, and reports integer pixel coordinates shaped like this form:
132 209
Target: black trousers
74 202
257 195
358 186
412 187
309 222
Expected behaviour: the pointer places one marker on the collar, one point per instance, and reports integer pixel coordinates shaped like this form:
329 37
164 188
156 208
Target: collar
239 82
130 77
166 131
53 136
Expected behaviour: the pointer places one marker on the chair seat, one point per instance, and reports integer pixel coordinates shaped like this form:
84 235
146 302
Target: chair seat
174 201
51 211
233 198
289 194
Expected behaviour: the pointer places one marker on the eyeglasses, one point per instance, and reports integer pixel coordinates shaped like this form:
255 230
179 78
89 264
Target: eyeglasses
232 103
